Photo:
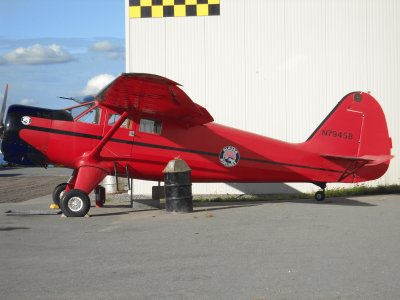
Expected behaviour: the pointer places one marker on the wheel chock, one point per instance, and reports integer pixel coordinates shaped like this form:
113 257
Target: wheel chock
54 206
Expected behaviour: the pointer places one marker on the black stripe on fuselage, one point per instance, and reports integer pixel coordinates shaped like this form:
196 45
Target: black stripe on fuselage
99 137
64 132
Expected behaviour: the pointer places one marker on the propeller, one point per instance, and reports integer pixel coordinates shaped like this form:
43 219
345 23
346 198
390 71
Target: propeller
3 109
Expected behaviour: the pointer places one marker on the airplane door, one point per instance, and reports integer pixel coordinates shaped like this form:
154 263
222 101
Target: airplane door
120 144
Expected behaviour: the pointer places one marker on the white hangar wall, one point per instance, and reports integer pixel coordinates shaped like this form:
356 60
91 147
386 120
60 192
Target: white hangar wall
276 67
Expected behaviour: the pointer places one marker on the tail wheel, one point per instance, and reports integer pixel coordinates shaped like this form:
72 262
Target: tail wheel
319 196
58 193
75 203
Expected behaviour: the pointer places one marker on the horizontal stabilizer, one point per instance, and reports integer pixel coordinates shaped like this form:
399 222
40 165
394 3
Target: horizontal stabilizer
370 160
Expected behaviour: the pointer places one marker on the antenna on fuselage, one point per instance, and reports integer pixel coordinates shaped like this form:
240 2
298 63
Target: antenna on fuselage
71 98
85 99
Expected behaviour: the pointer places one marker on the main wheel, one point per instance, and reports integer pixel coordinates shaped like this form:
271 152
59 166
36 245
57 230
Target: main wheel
75 203
319 196
58 192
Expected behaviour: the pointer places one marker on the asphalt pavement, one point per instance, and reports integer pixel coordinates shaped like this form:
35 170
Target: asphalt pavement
336 249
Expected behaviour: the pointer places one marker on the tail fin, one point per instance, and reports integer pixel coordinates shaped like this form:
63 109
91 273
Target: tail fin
355 131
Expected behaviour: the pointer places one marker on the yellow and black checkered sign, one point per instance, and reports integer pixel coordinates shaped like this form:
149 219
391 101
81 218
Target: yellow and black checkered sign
172 8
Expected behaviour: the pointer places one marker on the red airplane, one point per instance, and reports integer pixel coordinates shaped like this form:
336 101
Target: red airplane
139 122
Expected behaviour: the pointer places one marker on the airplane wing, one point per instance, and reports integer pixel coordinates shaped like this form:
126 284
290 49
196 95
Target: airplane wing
153 95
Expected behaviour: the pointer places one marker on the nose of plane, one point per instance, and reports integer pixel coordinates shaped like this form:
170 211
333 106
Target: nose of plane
14 149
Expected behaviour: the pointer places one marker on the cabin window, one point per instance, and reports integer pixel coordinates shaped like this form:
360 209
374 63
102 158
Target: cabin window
115 117
150 126
91 117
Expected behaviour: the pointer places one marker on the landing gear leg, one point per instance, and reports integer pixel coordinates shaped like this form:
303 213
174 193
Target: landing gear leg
320 195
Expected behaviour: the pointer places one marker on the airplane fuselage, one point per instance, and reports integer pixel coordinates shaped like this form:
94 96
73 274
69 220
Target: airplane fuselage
214 152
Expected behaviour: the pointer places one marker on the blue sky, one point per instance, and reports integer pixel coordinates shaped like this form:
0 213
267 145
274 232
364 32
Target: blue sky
52 48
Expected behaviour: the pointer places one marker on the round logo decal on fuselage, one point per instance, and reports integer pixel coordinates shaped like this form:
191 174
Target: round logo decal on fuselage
26 120
229 156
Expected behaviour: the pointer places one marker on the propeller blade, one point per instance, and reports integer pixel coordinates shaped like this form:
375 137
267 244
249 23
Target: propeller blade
3 109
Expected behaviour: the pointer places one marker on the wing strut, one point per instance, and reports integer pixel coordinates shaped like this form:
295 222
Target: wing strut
95 153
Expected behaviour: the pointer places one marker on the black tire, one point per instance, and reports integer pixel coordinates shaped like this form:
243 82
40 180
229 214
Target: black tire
58 190
319 196
75 203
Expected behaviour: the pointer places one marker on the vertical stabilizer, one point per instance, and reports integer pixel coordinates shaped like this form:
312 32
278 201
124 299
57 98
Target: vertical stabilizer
356 133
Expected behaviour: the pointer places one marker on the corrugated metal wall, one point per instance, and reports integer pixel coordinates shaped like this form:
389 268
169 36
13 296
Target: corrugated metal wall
276 67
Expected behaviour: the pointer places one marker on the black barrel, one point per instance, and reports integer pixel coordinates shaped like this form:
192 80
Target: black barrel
178 187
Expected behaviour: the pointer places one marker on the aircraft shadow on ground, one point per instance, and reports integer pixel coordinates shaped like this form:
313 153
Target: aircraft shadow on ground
328 201
215 206
282 188
198 207
264 188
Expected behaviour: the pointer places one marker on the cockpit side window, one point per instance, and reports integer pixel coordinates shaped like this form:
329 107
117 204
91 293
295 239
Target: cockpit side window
78 110
91 117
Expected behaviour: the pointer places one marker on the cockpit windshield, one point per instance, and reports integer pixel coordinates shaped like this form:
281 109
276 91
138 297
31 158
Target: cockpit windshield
79 110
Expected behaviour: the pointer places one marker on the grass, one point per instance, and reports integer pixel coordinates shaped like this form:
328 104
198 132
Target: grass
359 190
362 190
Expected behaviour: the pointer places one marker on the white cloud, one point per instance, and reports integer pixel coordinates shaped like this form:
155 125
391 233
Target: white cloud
103 46
96 83
113 51
38 54
27 101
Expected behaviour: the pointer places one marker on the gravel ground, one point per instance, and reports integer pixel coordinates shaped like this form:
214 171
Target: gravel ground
22 184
